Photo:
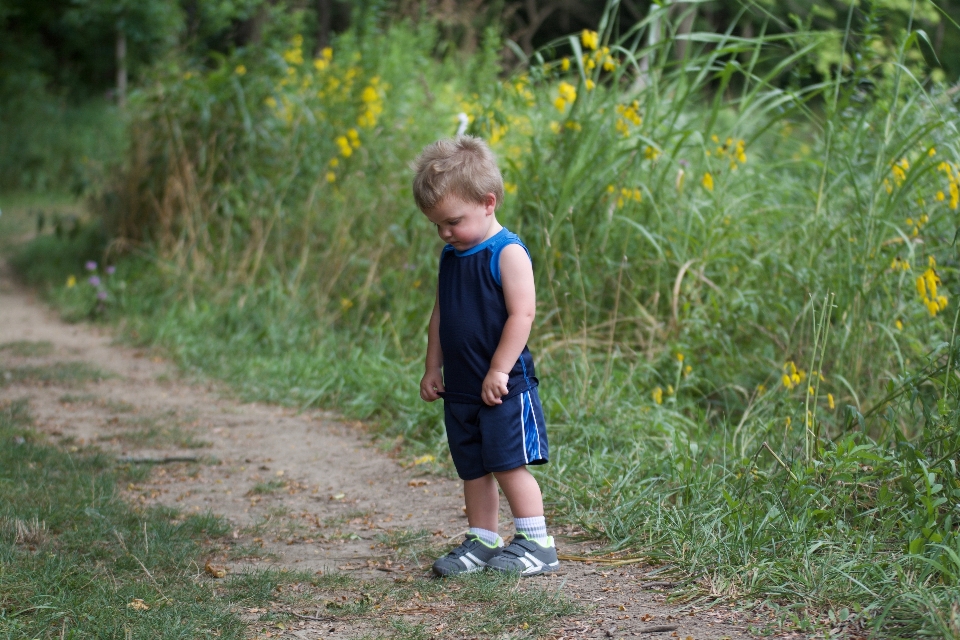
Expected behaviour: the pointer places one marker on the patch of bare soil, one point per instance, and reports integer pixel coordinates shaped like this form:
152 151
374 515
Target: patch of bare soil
302 490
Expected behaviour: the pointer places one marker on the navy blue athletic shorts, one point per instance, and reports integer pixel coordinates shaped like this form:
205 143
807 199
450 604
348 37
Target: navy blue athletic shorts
485 439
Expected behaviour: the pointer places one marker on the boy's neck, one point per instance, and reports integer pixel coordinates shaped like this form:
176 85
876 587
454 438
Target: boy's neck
495 228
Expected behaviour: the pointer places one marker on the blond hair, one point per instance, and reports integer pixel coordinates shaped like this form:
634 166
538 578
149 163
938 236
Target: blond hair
464 167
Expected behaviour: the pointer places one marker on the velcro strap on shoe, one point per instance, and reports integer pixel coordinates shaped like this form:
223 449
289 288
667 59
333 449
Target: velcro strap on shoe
526 545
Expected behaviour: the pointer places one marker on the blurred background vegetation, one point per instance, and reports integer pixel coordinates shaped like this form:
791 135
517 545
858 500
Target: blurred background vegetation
742 218
66 64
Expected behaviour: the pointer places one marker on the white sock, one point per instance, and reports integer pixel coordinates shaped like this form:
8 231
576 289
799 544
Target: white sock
534 528
489 538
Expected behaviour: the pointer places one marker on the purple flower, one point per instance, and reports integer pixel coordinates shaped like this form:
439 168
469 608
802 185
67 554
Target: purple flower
101 295
94 280
91 265
110 270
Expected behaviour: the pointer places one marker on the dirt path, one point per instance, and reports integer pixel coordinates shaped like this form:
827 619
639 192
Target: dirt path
301 490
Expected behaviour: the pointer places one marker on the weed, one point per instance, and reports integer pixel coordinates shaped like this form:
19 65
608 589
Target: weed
269 486
66 374
413 544
484 605
27 348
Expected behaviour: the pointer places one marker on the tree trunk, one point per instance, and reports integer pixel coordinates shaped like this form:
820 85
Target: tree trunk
324 12
121 68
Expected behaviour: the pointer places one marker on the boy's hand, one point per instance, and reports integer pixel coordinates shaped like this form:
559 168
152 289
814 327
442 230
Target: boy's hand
494 386
431 384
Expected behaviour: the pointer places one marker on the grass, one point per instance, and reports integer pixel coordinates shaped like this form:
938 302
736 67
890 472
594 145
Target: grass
116 406
420 545
64 374
741 375
74 555
27 348
162 430
270 486
482 605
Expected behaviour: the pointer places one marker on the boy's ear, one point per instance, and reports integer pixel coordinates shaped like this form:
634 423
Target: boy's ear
490 201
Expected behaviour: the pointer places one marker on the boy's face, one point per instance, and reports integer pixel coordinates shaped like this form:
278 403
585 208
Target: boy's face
464 224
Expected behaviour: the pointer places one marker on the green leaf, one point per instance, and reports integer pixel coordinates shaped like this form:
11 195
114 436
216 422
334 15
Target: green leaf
916 545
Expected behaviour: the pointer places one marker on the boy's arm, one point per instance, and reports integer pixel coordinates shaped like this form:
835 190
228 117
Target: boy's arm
432 381
519 293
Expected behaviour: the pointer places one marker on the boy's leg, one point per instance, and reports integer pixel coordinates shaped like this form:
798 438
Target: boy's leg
522 492
480 495
483 502
532 550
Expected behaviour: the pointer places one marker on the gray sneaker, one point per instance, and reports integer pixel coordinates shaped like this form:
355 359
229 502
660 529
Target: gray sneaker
472 555
526 557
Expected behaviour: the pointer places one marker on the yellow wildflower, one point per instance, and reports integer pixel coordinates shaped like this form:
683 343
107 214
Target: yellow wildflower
567 91
240 70
345 149
830 402
680 357
932 152
345 303
609 62
899 325
71 282
589 39
565 64
590 84
657 395
707 181
331 176
560 104
940 196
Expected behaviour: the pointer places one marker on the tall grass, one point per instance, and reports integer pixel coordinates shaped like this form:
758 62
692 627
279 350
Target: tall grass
741 372
50 145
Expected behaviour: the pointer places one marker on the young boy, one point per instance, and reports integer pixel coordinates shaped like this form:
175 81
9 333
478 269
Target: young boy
478 361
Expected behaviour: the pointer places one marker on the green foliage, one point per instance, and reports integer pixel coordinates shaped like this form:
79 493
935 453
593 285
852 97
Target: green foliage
47 144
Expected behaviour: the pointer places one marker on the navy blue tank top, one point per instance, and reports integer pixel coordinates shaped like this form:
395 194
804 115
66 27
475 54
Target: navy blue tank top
472 316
